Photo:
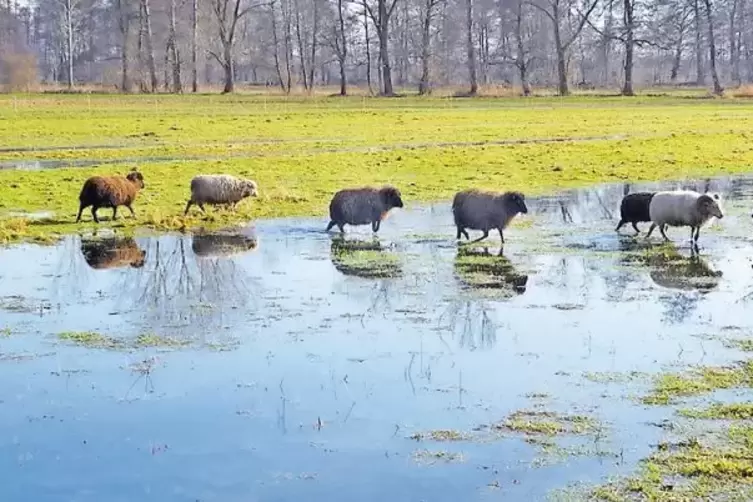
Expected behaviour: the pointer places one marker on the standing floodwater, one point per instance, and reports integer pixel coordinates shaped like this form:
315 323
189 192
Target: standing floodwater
284 363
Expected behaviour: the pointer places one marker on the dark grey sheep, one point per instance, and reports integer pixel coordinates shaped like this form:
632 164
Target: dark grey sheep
634 209
485 211
361 206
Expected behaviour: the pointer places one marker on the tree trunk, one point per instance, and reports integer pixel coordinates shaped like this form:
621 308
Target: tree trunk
561 62
368 50
69 47
677 60
288 45
627 89
718 90
700 73
301 49
342 53
125 82
734 47
194 69
276 41
423 83
174 52
227 66
149 46
314 36
383 32
471 50
521 60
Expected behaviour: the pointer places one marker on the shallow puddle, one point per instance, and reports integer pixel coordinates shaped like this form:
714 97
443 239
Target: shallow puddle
285 363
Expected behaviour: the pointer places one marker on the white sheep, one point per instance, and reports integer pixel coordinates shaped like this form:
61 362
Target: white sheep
219 189
683 208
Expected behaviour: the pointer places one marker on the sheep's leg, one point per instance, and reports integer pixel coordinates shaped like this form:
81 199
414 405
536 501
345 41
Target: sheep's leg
486 234
188 206
459 234
114 213
341 226
651 230
467 236
661 229
635 226
201 206
131 210
94 214
619 225
80 210
501 237
697 233
375 226
329 227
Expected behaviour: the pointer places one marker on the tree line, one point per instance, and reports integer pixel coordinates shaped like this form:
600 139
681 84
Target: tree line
184 45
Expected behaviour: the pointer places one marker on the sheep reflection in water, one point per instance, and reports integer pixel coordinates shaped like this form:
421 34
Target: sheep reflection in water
112 252
479 269
672 270
361 258
222 244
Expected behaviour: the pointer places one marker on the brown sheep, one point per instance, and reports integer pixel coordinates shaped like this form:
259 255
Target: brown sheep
110 191
113 253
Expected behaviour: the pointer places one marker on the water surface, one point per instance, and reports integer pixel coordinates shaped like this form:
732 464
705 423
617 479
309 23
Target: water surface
306 362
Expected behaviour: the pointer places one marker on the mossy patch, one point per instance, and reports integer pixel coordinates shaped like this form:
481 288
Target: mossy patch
91 339
733 411
366 259
95 340
669 387
547 423
441 435
429 457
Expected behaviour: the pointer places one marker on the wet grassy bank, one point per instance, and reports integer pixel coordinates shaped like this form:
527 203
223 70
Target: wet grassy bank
302 150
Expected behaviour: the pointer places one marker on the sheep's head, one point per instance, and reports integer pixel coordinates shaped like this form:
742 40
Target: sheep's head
139 262
136 178
250 189
710 205
391 196
516 201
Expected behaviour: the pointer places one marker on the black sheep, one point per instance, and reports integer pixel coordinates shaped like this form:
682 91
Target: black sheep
634 209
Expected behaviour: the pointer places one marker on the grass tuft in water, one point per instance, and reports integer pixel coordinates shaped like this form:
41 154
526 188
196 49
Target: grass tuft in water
153 340
441 435
90 339
721 411
669 387
548 423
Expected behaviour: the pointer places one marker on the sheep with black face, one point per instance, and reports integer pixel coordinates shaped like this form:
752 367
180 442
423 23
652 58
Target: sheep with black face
683 208
361 206
482 210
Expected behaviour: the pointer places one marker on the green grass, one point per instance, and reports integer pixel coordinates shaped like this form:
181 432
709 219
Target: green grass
94 340
301 150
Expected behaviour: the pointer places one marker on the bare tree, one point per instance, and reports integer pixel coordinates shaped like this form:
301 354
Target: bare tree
172 46
124 26
427 15
146 20
339 44
194 24
559 13
228 13
718 90
470 49
700 78
381 15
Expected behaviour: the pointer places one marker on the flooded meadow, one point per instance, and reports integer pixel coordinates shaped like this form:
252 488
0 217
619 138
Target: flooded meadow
279 362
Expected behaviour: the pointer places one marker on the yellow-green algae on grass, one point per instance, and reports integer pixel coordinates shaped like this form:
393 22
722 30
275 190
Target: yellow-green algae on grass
677 138
668 387
93 339
720 468
548 423
721 411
